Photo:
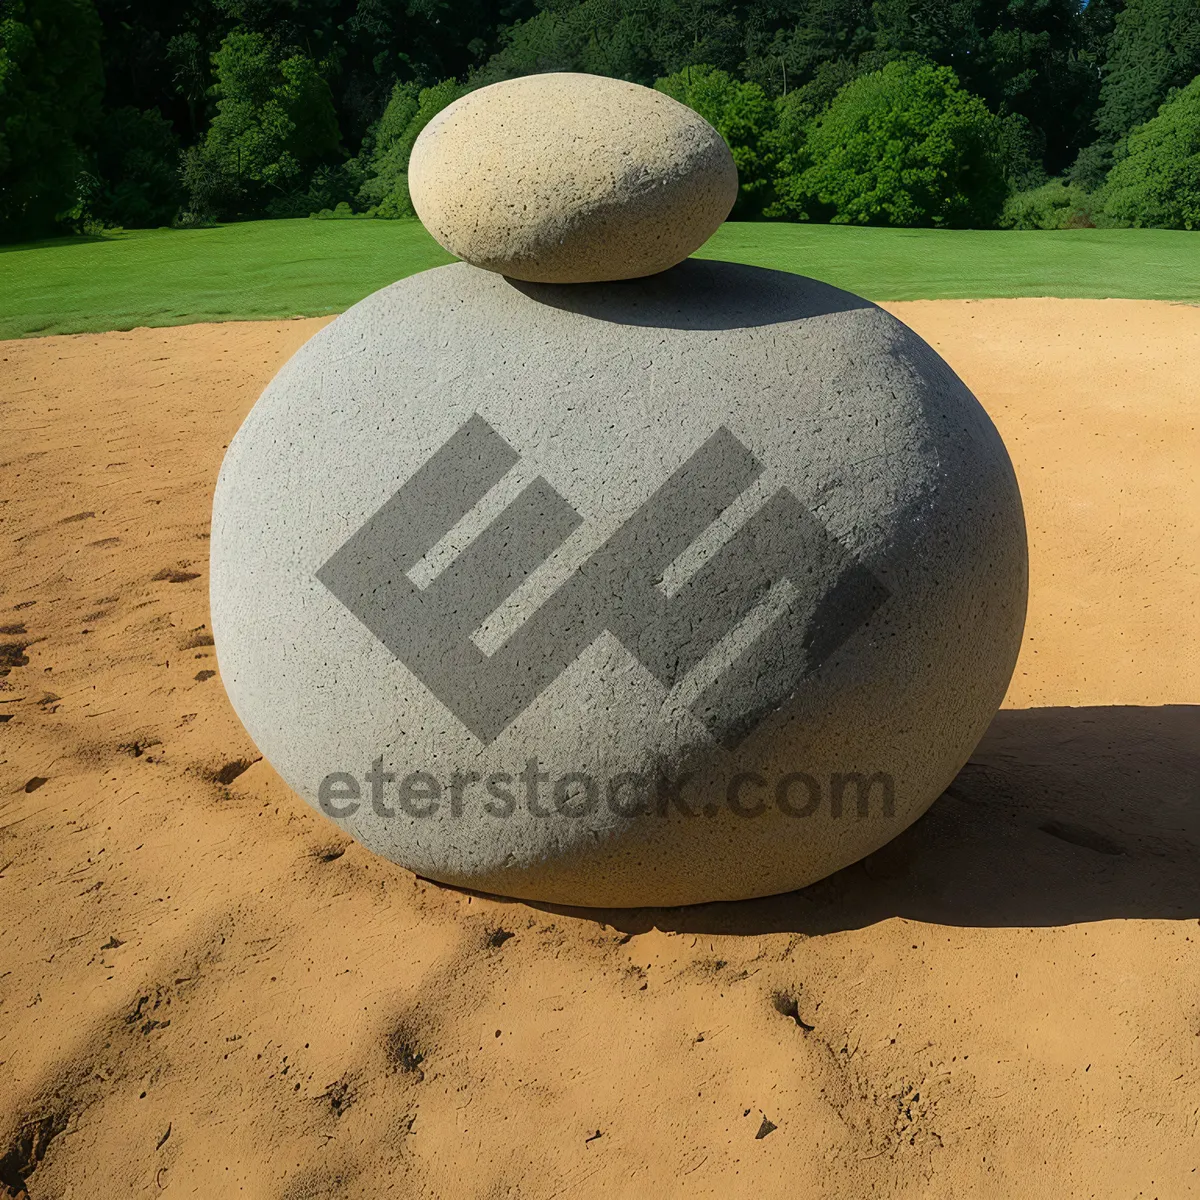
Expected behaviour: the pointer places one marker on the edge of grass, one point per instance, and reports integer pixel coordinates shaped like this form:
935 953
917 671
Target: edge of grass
278 270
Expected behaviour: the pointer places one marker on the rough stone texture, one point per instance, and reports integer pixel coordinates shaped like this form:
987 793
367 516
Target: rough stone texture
573 617
564 178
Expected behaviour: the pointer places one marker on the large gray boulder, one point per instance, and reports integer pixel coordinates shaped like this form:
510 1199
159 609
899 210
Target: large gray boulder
697 587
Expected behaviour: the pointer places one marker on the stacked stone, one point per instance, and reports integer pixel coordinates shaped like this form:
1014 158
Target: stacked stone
571 179
600 577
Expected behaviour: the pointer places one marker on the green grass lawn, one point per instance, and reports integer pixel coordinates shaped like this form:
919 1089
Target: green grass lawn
264 269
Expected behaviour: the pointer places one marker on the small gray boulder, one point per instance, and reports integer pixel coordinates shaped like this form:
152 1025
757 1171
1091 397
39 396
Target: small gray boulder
565 178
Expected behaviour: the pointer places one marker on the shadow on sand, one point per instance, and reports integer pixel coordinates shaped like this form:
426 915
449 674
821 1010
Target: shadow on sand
1062 815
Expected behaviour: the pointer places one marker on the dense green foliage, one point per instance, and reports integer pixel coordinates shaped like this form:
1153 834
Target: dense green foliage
1152 48
385 160
744 116
1056 204
901 146
136 181
1156 180
274 119
1155 47
937 112
50 77
1035 58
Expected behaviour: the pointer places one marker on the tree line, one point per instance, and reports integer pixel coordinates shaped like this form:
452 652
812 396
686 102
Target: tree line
958 113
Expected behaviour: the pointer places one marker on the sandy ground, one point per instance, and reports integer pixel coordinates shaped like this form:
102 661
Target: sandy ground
206 991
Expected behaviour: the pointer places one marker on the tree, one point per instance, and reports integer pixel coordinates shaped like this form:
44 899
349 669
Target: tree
378 43
408 112
601 37
1056 204
814 35
688 33
275 123
267 139
902 146
50 82
185 55
158 56
1028 57
796 109
743 115
137 170
1155 181
1155 46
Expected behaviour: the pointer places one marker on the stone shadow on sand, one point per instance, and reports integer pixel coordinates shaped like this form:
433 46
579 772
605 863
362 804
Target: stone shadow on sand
1062 815
699 294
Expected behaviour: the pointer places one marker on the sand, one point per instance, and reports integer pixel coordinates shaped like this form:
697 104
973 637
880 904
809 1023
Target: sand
205 990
